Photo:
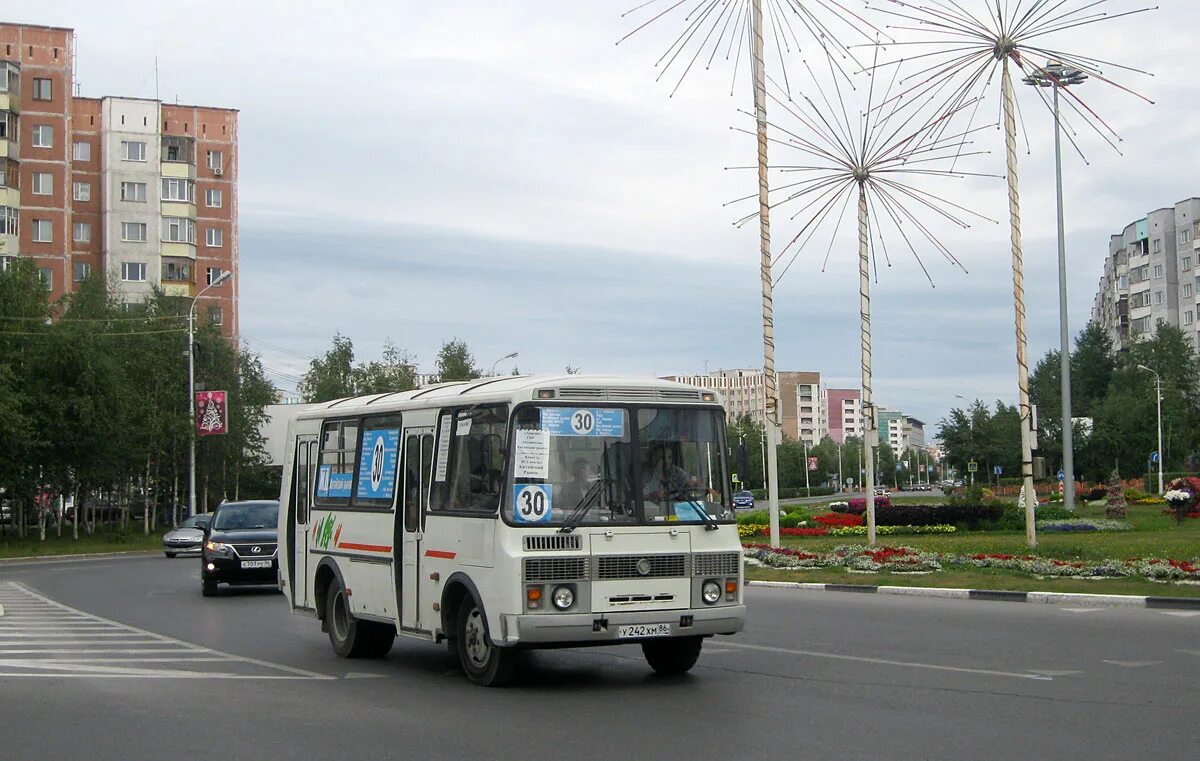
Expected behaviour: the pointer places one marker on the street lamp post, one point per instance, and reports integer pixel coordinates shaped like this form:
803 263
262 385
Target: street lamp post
1055 76
506 356
192 389
1158 405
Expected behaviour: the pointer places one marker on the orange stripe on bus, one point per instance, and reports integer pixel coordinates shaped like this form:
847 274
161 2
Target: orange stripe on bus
440 554
364 547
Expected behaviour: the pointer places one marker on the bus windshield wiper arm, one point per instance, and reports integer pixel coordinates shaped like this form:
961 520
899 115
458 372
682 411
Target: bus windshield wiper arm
580 509
710 523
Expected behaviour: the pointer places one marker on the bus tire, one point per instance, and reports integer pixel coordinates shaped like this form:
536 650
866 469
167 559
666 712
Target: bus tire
674 655
208 588
380 639
482 662
349 637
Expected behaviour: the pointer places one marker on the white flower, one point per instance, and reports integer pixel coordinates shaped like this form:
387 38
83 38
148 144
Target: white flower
1177 495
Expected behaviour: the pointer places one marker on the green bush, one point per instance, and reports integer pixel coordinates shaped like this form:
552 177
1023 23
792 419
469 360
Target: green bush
790 519
816 491
118 535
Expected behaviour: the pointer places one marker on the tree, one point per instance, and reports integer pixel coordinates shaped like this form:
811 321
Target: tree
396 371
455 362
1092 367
331 376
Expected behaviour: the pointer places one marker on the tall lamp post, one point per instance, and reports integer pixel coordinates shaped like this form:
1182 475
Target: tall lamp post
506 356
1056 75
191 353
1158 404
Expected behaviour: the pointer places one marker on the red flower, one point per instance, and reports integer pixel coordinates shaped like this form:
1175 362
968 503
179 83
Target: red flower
839 519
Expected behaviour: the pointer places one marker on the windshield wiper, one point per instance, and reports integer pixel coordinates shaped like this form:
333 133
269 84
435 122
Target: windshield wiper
581 508
710 523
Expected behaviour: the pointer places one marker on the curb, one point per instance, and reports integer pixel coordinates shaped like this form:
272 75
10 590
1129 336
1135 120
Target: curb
1054 598
86 556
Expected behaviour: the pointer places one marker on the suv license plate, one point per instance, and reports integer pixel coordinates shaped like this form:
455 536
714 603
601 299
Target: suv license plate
643 630
256 564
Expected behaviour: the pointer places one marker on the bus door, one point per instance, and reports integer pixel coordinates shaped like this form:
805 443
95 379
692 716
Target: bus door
410 525
299 505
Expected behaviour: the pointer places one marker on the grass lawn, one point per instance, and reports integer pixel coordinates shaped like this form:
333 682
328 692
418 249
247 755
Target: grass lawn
982 578
1153 535
102 541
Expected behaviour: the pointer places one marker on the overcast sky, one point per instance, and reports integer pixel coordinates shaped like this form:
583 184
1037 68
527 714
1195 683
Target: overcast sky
505 174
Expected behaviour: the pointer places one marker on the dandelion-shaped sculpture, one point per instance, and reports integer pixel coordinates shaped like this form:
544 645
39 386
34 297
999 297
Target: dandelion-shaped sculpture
737 31
880 157
959 46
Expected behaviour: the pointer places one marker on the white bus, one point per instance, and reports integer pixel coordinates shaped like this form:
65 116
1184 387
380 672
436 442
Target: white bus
514 512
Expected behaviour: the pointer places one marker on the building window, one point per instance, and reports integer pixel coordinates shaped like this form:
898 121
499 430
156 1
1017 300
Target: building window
81 191
83 271
43 231
214 161
43 183
214 237
133 272
1185 235
1187 289
215 315
133 232
133 151
211 275
133 191
43 136
1158 297
83 232
212 198
46 275
1187 317
1156 245
178 190
1158 271
179 230
177 270
82 151
8 220
43 89
1124 283
1187 262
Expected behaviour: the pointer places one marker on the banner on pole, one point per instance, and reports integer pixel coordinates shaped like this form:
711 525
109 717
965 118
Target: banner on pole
812 463
212 414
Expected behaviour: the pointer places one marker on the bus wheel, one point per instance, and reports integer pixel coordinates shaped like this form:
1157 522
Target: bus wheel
349 637
670 656
482 662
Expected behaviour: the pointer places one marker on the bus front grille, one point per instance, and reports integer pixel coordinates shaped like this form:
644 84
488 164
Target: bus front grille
549 542
716 564
555 569
632 567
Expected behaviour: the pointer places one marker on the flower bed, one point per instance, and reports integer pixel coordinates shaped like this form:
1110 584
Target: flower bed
839 519
907 559
892 530
1083 524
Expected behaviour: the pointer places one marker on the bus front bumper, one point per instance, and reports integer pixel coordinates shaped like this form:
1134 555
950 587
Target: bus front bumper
606 628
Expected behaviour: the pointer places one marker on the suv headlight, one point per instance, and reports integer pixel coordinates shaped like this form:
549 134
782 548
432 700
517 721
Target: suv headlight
218 548
710 592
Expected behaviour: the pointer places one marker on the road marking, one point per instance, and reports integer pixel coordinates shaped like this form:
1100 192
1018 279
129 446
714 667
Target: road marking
1082 610
1189 652
1180 613
887 662
1132 664
1050 672
47 639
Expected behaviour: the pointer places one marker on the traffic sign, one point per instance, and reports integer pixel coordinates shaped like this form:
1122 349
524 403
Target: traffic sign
998 470
812 463
1154 457
1062 476
734 477
972 466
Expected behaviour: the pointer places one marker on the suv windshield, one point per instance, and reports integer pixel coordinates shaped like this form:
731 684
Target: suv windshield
579 465
247 516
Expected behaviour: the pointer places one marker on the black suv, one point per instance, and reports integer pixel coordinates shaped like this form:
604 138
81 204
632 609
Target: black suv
241 545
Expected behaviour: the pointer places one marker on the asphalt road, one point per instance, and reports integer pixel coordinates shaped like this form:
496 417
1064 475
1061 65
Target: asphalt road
123 659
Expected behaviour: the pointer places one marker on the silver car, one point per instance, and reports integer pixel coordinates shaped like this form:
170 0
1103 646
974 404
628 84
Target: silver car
187 537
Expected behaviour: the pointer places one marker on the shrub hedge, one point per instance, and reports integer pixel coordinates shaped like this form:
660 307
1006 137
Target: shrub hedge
817 491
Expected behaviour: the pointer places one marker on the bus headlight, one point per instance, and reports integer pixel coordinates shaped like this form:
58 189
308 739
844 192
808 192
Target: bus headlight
711 592
563 597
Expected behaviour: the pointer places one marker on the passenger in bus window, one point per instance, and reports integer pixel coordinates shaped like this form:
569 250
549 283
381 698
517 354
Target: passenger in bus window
573 491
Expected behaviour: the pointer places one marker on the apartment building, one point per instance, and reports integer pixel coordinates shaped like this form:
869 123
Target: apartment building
802 403
844 413
139 191
1150 276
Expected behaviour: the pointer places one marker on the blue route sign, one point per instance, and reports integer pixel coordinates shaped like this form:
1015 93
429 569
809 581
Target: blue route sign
998 470
1062 476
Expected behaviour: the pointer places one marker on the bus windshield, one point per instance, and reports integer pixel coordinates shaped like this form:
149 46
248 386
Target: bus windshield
611 465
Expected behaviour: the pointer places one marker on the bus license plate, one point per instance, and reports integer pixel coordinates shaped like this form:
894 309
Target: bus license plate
256 564
644 630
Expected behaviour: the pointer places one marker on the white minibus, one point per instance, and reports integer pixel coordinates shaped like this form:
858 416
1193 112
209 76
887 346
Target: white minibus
514 512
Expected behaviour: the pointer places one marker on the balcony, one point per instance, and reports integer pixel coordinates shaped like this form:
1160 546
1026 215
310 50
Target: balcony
177 149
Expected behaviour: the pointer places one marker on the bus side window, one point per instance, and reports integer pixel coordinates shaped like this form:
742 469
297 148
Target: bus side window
427 468
413 473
